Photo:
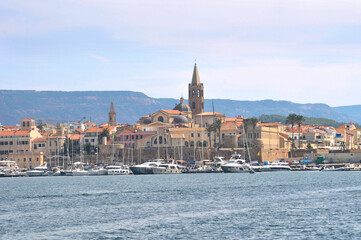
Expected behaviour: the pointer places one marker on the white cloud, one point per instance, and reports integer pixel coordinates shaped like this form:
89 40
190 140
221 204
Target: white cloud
97 57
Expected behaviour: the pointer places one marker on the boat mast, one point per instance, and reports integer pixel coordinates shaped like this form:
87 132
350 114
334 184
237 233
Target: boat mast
202 137
158 141
97 145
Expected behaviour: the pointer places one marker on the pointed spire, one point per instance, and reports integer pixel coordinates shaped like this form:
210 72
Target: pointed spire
111 107
195 79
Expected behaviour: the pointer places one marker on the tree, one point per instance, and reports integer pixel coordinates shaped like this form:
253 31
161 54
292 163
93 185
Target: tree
291 120
210 129
299 120
104 133
217 126
88 148
40 125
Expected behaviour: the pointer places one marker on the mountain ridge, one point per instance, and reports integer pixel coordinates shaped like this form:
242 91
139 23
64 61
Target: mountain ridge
131 105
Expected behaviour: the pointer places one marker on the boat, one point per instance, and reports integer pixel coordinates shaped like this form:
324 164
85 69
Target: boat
10 169
332 168
79 169
277 166
236 164
117 170
145 168
168 168
38 171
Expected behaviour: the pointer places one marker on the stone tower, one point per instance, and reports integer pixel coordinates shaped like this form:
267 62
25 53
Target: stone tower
195 93
112 116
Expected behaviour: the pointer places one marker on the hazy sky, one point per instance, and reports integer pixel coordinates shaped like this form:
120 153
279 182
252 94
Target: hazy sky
303 51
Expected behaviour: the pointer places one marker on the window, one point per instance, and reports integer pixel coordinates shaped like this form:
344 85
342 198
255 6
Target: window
141 136
198 93
192 135
132 136
92 140
192 144
193 93
186 143
127 137
27 124
160 119
136 137
199 135
222 135
193 105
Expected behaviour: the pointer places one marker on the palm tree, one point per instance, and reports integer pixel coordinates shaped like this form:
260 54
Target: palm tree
291 120
299 120
209 129
217 126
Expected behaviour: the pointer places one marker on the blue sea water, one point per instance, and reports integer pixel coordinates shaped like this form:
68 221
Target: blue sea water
282 205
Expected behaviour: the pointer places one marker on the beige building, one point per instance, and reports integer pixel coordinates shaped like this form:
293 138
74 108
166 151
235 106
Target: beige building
17 144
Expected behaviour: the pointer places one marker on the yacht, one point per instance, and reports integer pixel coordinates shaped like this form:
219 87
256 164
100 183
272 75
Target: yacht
145 168
236 164
10 169
38 171
79 169
168 168
277 166
117 170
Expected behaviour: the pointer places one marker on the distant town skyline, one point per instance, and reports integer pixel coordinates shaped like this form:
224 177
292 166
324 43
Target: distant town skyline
300 51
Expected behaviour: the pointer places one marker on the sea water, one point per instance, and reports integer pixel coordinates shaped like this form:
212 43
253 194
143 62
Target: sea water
280 205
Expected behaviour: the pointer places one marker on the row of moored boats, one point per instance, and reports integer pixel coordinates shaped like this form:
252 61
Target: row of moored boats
236 164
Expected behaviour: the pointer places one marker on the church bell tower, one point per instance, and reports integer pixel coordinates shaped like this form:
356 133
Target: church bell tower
195 93
112 116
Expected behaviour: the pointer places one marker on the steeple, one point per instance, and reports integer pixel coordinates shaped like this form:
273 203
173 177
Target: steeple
112 116
195 80
111 107
195 93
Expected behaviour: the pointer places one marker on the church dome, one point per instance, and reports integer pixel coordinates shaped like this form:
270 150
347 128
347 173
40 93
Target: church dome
147 120
182 106
180 119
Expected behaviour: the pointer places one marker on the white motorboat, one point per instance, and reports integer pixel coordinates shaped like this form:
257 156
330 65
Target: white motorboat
10 169
168 168
277 166
236 164
80 172
117 170
145 168
332 168
38 171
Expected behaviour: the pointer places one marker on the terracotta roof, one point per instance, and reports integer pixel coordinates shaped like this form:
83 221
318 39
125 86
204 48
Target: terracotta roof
75 137
172 111
26 119
11 133
39 139
283 135
10 127
95 129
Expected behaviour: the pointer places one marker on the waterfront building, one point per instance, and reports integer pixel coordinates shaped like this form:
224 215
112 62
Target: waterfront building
16 145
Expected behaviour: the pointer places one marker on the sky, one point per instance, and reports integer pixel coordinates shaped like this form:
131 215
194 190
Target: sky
305 51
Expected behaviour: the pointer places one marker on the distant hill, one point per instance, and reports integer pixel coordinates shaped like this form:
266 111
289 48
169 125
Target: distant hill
130 106
308 120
